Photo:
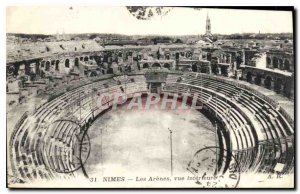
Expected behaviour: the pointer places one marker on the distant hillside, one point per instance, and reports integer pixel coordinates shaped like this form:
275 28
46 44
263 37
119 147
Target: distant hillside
31 36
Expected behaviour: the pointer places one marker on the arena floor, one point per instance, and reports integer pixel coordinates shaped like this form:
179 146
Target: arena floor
136 142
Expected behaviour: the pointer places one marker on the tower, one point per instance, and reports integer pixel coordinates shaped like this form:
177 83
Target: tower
208 26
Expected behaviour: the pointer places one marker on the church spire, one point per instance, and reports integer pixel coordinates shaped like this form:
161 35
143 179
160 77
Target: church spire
208 25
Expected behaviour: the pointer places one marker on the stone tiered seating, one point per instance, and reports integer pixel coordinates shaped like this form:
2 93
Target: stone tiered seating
34 131
232 123
260 136
268 121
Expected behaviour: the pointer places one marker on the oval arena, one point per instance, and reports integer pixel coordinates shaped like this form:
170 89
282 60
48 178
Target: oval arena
55 95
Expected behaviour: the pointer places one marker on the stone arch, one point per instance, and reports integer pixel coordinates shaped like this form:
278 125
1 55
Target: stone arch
105 57
120 69
278 85
27 68
57 65
275 62
257 79
177 56
145 65
86 58
167 56
286 65
268 82
47 66
188 54
76 62
167 65
287 89
204 69
109 60
156 65
280 64
42 74
81 59
110 71
67 63
93 74
194 68
209 56
269 61
249 77
37 67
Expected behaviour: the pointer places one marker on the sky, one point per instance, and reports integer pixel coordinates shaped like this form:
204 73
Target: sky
179 21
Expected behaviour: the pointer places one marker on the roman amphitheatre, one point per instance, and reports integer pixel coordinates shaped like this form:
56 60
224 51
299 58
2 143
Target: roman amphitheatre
56 129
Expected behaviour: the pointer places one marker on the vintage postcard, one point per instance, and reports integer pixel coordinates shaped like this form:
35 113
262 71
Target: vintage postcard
150 97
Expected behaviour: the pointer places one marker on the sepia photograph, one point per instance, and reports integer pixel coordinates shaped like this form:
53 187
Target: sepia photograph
150 97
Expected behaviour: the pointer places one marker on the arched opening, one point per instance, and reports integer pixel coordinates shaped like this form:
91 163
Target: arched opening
32 74
81 58
128 68
86 58
126 56
37 68
194 68
268 61
110 71
57 65
27 69
76 62
209 56
167 56
214 68
67 63
42 64
249 77
188 54
278 85
93 74
156 65
47 66
280 64
204 69
109 60
287 65
258 79
105 58
287 89
268 82
145 65
275 62
42 74
167 65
